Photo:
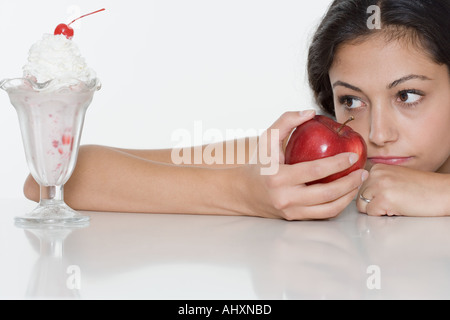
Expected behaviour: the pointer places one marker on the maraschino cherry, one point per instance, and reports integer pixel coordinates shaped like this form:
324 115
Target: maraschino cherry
66 30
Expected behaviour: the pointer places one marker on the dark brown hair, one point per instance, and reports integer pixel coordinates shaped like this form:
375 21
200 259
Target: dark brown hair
425 22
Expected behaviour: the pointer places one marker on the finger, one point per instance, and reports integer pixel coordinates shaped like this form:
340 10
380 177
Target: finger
334 208
379 207
304 172
273 139
364 199
328 192
373 205
289 121
318 195
326 210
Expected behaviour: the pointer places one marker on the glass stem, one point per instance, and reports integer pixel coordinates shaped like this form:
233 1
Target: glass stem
52 195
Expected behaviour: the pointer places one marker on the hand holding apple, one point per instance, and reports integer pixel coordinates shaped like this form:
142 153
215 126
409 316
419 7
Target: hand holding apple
322 137
285 194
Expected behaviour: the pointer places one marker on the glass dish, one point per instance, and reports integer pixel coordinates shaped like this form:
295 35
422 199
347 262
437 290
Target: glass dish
51 117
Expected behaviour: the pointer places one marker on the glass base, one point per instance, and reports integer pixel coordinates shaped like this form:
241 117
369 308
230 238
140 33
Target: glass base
52 213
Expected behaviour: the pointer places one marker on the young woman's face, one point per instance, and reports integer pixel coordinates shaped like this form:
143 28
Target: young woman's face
400 99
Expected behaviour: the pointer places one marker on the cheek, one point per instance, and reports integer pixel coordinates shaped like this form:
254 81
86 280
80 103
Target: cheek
433 131
432 127
430 140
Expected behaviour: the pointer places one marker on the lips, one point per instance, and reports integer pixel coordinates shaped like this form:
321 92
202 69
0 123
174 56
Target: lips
389 160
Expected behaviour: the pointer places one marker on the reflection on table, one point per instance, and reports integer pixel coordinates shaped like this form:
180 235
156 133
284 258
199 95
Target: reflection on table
207 257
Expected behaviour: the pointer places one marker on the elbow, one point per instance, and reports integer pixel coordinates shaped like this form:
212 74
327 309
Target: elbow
31 189
87 154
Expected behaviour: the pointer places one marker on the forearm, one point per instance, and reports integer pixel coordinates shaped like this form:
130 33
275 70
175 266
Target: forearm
446 194
108 180
434 196
226 154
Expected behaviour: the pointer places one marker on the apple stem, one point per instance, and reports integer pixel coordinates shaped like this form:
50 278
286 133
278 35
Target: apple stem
349 119
85 15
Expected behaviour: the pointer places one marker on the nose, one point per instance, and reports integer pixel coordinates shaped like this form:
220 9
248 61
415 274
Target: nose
383 125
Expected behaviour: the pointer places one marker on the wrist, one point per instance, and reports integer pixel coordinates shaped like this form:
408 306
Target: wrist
246 190
213 191
232 191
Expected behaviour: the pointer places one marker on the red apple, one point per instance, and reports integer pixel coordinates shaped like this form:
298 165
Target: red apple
322 137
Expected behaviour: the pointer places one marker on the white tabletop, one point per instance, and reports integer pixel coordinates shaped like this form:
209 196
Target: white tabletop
155 256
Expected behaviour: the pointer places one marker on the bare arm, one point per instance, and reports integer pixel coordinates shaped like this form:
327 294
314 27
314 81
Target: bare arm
226 154
138 180
110 179
106 179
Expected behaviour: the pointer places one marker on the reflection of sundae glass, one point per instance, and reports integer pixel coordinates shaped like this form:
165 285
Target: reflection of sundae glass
51 277
51 102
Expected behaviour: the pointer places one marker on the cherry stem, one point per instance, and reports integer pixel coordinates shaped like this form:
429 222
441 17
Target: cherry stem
349 119
85 15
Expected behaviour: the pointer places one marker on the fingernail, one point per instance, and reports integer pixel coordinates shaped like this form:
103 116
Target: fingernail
365 175
306 113
353 158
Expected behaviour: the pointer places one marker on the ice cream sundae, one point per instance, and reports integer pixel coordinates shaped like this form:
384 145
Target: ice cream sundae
51 100
58 59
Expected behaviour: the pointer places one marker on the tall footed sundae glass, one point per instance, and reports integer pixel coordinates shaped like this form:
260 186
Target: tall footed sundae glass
51 117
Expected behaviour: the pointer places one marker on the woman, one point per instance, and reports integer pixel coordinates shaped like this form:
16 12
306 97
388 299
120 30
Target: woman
395 80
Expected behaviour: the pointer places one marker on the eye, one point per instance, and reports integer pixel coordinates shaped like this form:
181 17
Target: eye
350 102
410 97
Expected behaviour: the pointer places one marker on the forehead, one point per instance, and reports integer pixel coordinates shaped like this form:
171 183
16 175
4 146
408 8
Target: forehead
377 58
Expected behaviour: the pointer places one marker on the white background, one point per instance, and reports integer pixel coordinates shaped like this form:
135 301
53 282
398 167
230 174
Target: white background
165 65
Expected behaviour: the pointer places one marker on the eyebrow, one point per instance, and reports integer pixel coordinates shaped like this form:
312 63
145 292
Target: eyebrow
407 78
346 85
390 86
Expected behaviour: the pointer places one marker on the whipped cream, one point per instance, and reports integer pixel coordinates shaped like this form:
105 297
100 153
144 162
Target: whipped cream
57 58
